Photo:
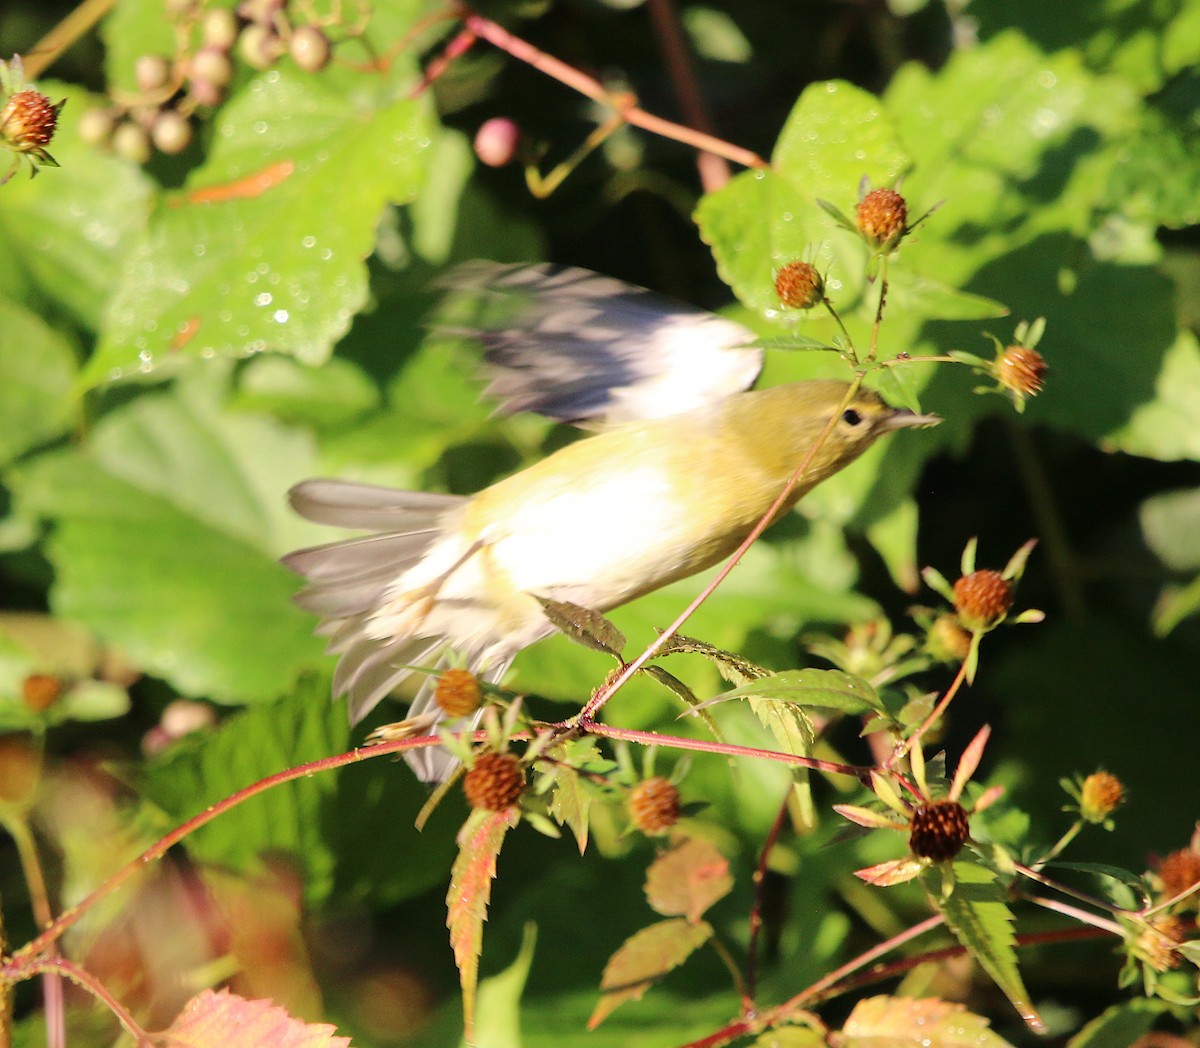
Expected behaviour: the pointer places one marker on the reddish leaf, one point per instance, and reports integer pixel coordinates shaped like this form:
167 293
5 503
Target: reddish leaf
644 958
479 844
907 1022
231 1021
688 879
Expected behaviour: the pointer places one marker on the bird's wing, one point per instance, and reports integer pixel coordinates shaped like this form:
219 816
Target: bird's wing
592 350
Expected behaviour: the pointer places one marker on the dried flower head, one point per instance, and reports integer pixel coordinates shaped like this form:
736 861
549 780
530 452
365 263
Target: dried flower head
938 830
494 782
654 805
882 218
457 692
1179 871
1020 369
799 285
982 599
1099 796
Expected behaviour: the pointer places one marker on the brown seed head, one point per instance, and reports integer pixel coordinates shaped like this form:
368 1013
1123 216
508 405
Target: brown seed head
947 641
982 599
457 693
1021 369
28 120
495 781
1100 795
40 691
799 285
1179 871
654 805
882 218
938 830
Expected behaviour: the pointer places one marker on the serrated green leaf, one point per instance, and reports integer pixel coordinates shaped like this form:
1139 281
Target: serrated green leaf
733 667
821 689
685 695
229 266
164 491
978 915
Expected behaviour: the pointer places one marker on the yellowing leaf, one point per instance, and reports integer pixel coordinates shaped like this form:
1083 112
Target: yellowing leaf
224 1018
644 958
905 1022
688 879
467 900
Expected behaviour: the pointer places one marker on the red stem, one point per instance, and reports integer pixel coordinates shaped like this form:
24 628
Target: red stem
749 1002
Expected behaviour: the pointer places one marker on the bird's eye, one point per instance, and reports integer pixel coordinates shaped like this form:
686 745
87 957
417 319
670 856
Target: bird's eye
851 417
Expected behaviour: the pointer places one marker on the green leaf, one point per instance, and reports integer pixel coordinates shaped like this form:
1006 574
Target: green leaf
329 824
570 799
332 395
37 369
230 265
644 958
821 689
978 915
62 235
499 1009
1119 1026
164 490
685 695
836 135
732 666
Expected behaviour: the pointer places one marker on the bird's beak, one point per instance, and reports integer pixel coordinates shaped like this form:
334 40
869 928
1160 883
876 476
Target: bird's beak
901 418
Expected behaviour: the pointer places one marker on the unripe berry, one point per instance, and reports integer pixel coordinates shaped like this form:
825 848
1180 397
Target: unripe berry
1021 369
982 599
309 48
882 218
211 64
799 285
152 72
1099 796
654 805
96 126
947 641
497 141
171 132
259 46
131 143
219 28
938 830
457 693
494 782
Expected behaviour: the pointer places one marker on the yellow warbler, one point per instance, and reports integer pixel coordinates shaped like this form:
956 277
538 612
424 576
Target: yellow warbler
686 463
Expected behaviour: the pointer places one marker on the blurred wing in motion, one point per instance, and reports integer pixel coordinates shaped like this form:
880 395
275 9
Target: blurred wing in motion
592 350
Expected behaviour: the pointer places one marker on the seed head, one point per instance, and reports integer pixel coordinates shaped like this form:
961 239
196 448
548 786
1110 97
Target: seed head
457 693
1099 796
982 599
495 781
882 218
654 805
28 120
1179 871
799 285
1020 370
938 830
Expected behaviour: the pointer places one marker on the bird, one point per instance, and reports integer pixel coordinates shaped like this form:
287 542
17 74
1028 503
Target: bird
683 461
